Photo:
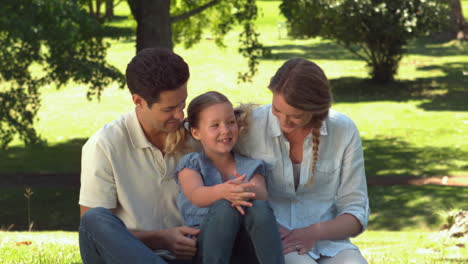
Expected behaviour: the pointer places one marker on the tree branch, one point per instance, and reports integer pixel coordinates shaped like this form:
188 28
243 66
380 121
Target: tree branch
193 11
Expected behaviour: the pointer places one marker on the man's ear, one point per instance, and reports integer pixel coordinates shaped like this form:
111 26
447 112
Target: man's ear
195 133
138 100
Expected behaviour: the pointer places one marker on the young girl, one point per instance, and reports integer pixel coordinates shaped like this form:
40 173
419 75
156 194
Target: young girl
224 193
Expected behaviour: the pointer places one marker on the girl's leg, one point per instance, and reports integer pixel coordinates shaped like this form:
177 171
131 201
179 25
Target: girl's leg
262 229
295 258
218 234
344 257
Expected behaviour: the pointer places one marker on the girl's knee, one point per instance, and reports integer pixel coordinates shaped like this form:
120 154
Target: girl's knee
260 211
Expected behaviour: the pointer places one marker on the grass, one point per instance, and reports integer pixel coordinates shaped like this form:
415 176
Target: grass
44 247
377 246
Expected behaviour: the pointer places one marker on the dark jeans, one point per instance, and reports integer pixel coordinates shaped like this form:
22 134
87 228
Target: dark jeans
104 238
254 237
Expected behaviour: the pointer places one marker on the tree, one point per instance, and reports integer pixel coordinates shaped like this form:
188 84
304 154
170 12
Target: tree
165 23
377 31
458 25
62 42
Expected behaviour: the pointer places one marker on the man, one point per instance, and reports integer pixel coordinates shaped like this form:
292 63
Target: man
128 192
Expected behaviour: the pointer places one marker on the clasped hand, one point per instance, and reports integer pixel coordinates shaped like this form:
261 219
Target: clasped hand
301 240
238 192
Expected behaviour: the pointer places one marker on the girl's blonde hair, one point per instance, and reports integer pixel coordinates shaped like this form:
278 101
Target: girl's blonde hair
304 85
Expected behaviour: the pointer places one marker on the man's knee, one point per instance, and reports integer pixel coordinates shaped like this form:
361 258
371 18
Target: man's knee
94 218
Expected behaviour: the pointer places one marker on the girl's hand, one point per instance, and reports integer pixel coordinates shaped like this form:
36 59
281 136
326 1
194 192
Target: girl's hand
301 239
237 192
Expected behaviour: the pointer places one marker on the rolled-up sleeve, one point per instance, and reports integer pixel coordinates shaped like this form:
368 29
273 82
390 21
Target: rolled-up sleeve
352 193
98 188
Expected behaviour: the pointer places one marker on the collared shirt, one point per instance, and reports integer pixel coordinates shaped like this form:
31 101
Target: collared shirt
121 169
339 182
197 161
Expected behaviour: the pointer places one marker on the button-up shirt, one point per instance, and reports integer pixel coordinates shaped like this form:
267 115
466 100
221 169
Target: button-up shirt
339 182
121 169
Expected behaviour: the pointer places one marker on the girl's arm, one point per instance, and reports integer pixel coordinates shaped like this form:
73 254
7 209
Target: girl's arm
204 196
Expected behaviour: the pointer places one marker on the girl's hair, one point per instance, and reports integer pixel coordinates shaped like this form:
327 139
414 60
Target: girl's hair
304 85
175 141
200 103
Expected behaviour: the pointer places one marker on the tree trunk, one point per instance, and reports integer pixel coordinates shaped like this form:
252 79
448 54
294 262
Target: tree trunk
153 23
91 7
109 9
98 8
459 27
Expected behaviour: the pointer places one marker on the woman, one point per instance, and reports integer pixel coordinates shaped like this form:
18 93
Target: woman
317 186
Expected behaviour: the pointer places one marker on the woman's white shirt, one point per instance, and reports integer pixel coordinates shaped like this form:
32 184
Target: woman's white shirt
339 182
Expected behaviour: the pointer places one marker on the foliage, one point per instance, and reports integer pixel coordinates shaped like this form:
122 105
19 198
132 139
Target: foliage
219 20
62 40
189 20
377 31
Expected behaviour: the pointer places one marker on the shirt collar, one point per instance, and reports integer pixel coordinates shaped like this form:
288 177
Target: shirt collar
135 131
275 129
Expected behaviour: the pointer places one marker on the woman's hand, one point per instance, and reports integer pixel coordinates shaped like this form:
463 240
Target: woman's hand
301 239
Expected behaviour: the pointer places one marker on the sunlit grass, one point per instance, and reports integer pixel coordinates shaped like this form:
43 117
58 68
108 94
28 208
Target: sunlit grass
376 246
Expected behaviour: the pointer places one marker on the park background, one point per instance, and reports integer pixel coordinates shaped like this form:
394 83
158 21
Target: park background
414 128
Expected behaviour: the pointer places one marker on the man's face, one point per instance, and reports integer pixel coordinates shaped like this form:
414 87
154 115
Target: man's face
164 115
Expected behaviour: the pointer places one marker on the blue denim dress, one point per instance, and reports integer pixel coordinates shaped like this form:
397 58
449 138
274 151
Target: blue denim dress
197 161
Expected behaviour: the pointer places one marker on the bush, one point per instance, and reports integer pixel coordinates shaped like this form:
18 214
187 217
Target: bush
375 30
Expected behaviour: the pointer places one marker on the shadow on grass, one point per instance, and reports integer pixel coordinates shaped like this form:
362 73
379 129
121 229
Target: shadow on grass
325 50
331 50
395 157
118 32
51 208
393 207
403 207
59 158
449 92
429 47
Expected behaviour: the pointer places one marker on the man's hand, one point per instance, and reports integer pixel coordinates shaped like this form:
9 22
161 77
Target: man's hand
175 240
179 242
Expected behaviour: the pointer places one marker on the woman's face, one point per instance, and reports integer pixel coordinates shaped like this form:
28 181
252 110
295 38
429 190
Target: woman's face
290 118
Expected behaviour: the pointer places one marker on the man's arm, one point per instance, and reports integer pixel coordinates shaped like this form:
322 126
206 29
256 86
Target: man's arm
84 209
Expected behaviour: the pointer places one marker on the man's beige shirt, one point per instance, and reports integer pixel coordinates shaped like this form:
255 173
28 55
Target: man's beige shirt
121 169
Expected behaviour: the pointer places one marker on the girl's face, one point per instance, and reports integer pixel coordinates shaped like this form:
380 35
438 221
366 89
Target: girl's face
290 118
217 129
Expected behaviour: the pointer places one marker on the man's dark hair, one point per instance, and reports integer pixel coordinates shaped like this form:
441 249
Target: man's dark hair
155 70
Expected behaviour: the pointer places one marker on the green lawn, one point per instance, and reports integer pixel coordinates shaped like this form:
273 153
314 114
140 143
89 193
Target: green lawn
379 247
